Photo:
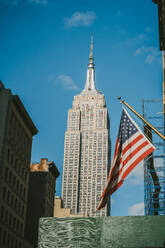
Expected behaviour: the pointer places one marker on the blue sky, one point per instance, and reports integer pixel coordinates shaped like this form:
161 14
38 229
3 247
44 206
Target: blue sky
44 49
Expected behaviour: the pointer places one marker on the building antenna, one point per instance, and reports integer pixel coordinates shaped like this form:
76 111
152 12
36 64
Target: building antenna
91 50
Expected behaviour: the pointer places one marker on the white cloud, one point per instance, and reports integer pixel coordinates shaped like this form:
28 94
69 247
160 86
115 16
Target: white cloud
149 59
9 2
16 2
138 51
67 82
38 1
148 29
118 13
137 209
136 39
137 175
80 19
151 53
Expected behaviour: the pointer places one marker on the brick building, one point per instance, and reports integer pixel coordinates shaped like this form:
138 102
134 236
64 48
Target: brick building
42 183
16 132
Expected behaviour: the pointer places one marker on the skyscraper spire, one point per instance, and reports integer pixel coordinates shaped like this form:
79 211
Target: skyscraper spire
90 81
87 149
91 51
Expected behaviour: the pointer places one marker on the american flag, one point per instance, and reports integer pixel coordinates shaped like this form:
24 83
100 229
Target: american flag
131 148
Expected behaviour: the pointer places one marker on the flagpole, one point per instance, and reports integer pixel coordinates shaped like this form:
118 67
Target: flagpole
152 127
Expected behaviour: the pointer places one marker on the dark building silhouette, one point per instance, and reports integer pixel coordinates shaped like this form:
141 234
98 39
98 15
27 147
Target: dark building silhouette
16 132
41 194
161 19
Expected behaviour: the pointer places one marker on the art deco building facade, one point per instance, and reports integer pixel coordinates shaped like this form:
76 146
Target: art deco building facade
16 132
86 150
42 182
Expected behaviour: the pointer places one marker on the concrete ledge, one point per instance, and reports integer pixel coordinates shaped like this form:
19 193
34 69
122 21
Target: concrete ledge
110 232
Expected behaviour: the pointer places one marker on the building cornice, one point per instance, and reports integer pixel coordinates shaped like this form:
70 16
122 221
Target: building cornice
24 114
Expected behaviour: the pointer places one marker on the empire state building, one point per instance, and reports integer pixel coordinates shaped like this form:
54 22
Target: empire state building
86 149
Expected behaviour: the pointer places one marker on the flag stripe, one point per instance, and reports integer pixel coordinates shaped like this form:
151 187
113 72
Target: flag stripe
134 136
146 153
134 146
114 188
115 155
123 173
132 161
138 154
129 155
114 161
133 153
116 147
104 200
116 166
131 148
131 144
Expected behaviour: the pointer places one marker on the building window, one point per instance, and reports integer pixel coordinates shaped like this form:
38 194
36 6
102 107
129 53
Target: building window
12 159
6 173
10 177
4 193
12 242
6 216
15 164
10 220
17 226
4 236
0 234
15 203
14 220
8 155
16 242
2 212
8 196
26 176
22 212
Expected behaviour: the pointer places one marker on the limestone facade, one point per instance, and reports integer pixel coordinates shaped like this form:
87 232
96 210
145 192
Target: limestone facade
86 150
60 212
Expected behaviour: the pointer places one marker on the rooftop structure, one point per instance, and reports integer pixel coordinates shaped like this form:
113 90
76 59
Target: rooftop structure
60 211
42 182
